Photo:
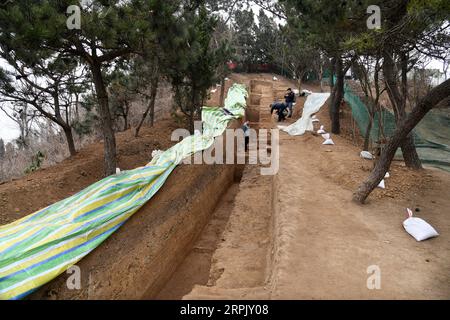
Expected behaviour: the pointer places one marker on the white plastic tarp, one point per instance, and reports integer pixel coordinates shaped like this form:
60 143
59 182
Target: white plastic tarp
312 105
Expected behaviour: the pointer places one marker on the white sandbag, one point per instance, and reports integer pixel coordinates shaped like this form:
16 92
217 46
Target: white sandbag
117 170
213 90
381 185
387 175
312 105
326 136
328 142
306 92
321 130
227 79
275 79
366 155
418 228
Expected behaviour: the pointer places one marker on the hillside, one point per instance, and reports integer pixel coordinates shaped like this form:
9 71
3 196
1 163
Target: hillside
295 235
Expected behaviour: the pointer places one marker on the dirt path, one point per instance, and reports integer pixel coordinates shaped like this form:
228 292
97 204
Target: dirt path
327 242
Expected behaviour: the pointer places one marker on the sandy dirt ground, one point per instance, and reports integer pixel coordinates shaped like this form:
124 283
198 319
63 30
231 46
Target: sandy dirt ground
327 242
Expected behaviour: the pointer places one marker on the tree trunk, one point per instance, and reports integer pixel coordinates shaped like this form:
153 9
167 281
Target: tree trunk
58 119
191 121
299 83
109 138
125 122
409 152
192 107
150 106
332 86
321 77
432 99
70 142
77 112
337 97
332 73
222 93
126 112
398 102
367 135
153 94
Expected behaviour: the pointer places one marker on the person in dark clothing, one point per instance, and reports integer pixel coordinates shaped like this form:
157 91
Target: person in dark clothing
246 129
279 107
289 98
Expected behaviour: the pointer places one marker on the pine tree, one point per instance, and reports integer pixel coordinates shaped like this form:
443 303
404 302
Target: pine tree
193 69
109 30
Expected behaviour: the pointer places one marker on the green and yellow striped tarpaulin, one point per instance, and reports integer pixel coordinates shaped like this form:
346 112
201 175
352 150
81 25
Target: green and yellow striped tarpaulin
42 245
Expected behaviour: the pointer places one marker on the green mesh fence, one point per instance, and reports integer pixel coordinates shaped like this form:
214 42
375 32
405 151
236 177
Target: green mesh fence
361 116
431 136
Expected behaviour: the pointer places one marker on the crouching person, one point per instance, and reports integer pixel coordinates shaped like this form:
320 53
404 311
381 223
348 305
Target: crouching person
279 107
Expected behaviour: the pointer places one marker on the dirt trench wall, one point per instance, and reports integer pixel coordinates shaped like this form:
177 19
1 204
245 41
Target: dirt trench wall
137 260
252 113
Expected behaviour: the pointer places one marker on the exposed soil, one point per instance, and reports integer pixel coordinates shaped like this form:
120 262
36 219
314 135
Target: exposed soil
195 269
49 185
327 242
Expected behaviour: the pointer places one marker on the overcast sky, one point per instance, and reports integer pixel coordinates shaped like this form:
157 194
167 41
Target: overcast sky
8 128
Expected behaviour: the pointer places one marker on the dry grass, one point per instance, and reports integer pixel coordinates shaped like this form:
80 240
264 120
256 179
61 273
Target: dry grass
54 146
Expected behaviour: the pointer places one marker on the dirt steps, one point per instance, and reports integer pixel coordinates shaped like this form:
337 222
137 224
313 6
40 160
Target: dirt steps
194 270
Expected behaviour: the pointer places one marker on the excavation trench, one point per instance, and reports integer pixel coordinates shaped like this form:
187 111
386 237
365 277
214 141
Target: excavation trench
195 269
207 225
233 254
139 258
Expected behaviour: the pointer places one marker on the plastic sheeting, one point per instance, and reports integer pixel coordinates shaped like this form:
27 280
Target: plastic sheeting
40 246
313 103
